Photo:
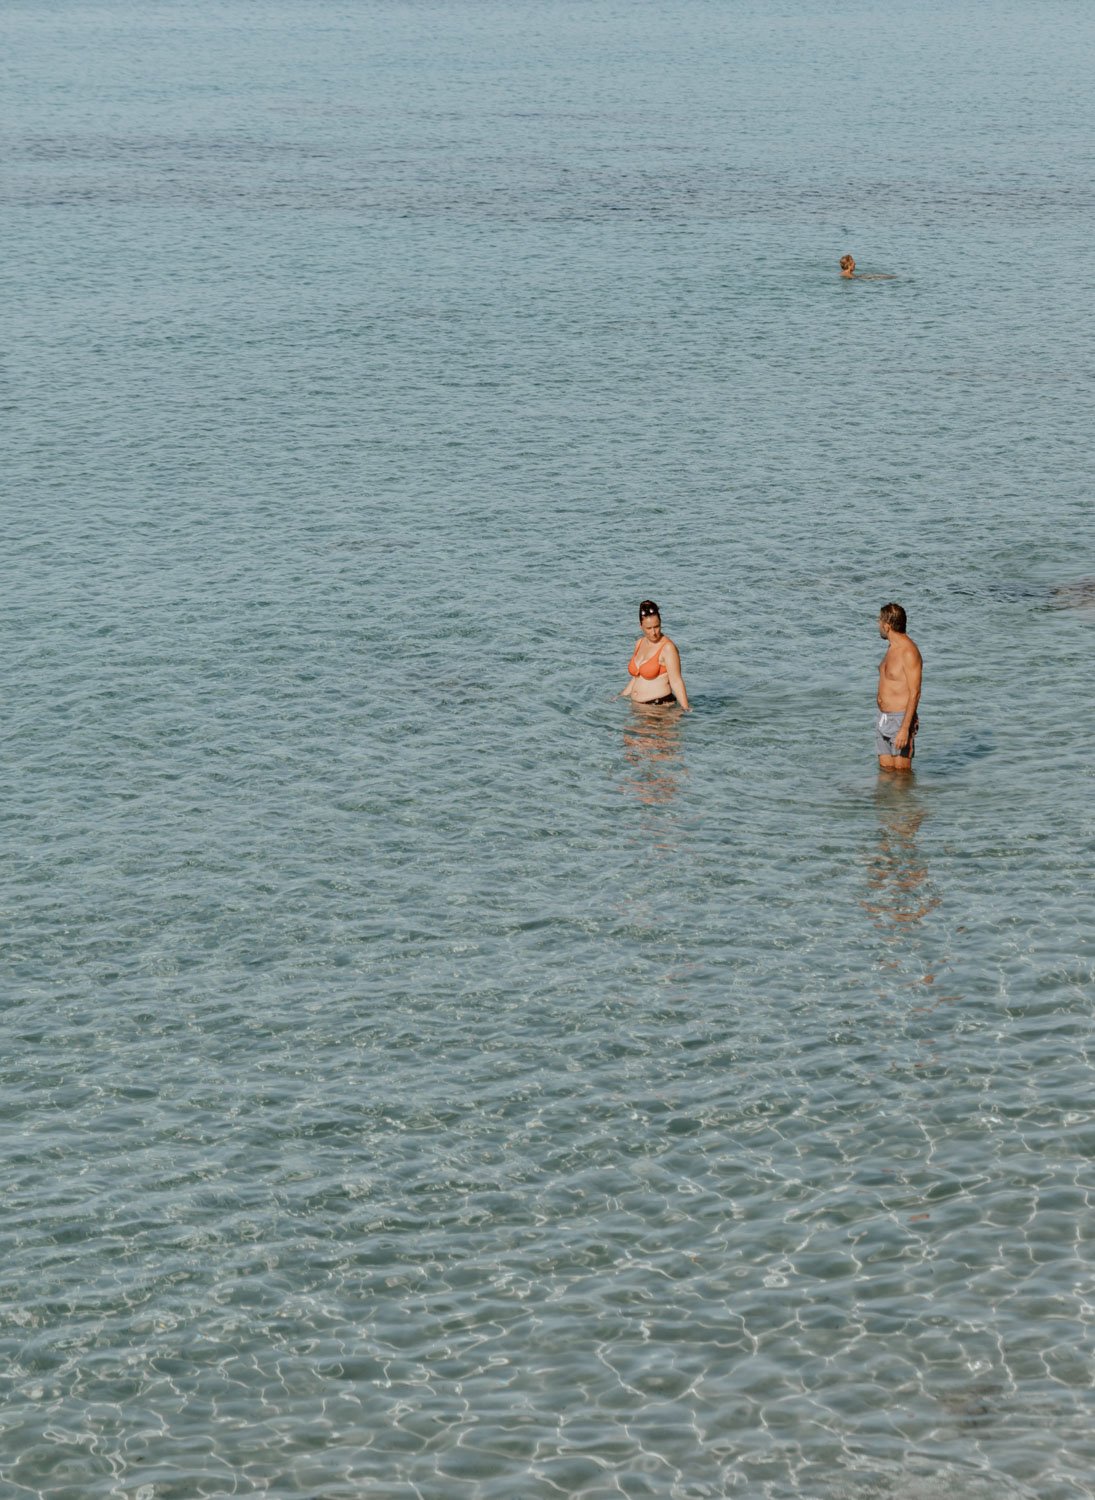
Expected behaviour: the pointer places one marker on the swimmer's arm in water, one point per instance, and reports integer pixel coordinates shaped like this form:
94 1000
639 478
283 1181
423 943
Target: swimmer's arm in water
671 661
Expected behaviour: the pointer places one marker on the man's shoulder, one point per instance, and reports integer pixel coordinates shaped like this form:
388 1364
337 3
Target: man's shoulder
909 647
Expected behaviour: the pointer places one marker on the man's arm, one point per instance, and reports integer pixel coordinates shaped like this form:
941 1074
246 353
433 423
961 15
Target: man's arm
914 676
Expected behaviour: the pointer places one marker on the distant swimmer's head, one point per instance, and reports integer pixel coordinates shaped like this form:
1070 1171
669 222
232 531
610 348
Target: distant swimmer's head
891 617
847 265
650 619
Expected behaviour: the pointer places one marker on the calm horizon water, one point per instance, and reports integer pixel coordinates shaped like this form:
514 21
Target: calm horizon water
422 1075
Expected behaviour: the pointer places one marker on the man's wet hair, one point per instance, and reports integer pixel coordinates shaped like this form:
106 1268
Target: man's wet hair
893 616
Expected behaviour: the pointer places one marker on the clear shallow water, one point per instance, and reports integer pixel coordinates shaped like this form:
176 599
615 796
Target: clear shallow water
421 1075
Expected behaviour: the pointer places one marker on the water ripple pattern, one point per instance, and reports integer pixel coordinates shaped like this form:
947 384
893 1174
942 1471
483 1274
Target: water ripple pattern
422 1076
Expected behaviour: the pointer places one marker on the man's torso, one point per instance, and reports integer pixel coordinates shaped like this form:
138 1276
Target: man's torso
893 681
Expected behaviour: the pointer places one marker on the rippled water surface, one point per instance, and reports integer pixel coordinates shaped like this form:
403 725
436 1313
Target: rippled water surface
422 1075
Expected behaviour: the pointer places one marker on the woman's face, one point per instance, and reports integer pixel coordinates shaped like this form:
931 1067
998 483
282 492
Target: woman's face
651 627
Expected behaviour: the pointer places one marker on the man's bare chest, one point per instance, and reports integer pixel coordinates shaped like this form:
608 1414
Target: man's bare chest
891 668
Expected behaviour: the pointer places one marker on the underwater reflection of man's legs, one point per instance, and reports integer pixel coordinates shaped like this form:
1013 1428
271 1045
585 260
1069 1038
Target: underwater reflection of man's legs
901 888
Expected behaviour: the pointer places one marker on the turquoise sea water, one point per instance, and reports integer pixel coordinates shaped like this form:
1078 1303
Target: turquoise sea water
421 1076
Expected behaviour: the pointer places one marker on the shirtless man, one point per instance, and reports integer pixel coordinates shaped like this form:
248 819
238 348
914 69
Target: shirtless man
899 677
847 265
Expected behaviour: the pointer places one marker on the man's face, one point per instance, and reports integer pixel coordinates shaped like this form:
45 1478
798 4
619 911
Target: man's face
883 628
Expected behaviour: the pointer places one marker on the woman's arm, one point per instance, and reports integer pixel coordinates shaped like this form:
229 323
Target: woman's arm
631 681
671 660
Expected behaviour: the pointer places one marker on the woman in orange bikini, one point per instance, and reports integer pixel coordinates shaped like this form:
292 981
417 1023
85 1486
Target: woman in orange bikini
655 666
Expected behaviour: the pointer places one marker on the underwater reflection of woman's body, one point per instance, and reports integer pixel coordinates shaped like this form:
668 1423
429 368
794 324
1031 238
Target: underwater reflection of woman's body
655 665
655 758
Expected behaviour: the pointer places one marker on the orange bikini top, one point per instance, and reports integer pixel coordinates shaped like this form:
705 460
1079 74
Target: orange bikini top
650 668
